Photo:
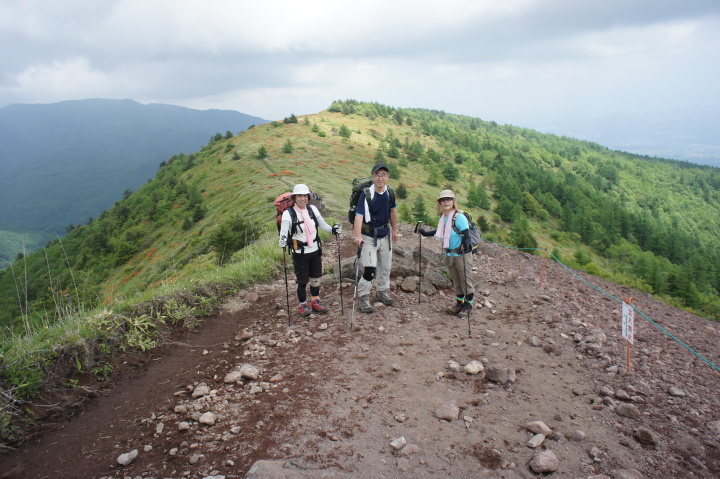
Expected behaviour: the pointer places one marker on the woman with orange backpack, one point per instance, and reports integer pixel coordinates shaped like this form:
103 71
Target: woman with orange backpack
299 232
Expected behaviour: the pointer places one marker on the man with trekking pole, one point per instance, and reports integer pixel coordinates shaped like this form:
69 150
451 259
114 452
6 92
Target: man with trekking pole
375 227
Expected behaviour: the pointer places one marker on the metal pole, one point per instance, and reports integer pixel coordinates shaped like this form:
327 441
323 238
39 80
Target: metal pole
357 271
287 292
419 225
342 308
466 294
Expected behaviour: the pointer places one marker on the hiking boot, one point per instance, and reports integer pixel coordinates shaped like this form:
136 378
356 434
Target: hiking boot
364 305
384 298
317 306
466 310
305 310
456 308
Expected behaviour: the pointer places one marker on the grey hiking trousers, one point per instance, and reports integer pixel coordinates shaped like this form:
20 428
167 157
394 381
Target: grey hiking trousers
379 257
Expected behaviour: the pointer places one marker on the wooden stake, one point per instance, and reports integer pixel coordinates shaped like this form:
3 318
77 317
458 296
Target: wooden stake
542 277
629 364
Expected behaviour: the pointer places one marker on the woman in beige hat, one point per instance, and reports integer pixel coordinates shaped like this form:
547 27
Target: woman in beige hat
453 231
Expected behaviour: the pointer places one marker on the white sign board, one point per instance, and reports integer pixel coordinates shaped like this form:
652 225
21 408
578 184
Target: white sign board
628 322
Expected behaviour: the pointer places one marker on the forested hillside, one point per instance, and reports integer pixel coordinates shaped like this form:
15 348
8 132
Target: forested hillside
62 163
203 227
654 221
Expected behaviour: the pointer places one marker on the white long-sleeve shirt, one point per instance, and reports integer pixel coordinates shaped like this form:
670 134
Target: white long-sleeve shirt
299 235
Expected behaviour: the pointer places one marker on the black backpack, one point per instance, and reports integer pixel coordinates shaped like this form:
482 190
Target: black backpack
475 234
362 185
295 222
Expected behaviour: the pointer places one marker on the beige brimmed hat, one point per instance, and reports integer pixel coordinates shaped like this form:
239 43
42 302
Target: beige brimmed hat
300 189
446 194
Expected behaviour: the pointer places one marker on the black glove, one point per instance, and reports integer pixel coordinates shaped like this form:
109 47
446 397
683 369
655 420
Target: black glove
465 245
427 233
336 229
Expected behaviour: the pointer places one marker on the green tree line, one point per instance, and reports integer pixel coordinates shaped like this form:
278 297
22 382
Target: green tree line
653 218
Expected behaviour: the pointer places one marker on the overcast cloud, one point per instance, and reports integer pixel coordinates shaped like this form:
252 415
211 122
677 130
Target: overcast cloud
544 64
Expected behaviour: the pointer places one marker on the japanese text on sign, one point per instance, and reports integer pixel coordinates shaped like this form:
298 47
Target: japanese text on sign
628 322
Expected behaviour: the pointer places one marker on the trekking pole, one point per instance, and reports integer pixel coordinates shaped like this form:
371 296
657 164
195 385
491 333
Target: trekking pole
466 294
419 225
342 308
287 292
357 271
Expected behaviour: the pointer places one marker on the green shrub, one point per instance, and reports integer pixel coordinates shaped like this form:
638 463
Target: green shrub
231 236
401 191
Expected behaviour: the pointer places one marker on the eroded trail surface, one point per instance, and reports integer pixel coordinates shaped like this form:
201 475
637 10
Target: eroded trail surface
317 399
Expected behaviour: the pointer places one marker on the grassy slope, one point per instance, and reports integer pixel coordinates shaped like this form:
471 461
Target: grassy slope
248 186
234 181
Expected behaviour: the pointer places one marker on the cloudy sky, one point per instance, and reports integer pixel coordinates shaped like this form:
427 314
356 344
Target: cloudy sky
544 64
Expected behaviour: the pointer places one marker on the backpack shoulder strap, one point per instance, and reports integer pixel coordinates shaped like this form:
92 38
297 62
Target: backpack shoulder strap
454 219
311 211
390 191
366 192
293 221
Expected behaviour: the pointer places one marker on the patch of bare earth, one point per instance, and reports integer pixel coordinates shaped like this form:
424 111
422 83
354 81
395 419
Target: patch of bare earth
329 401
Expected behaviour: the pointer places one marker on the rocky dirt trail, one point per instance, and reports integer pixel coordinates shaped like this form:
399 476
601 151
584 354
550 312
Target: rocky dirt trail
537 388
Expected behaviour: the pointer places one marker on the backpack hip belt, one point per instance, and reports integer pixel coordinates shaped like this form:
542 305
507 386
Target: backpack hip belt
456 251
298 247
373 233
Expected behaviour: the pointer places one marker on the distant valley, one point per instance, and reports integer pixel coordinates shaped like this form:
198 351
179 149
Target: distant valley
691 134
64 162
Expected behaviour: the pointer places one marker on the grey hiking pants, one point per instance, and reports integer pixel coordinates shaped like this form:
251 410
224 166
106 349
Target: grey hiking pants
379 257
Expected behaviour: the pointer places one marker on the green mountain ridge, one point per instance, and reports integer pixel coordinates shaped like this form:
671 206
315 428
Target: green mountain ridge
651 224
61 163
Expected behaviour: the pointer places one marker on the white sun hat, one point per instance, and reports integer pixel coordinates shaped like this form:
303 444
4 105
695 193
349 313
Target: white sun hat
300 189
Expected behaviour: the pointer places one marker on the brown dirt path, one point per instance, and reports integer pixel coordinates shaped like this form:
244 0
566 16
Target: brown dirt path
329 401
